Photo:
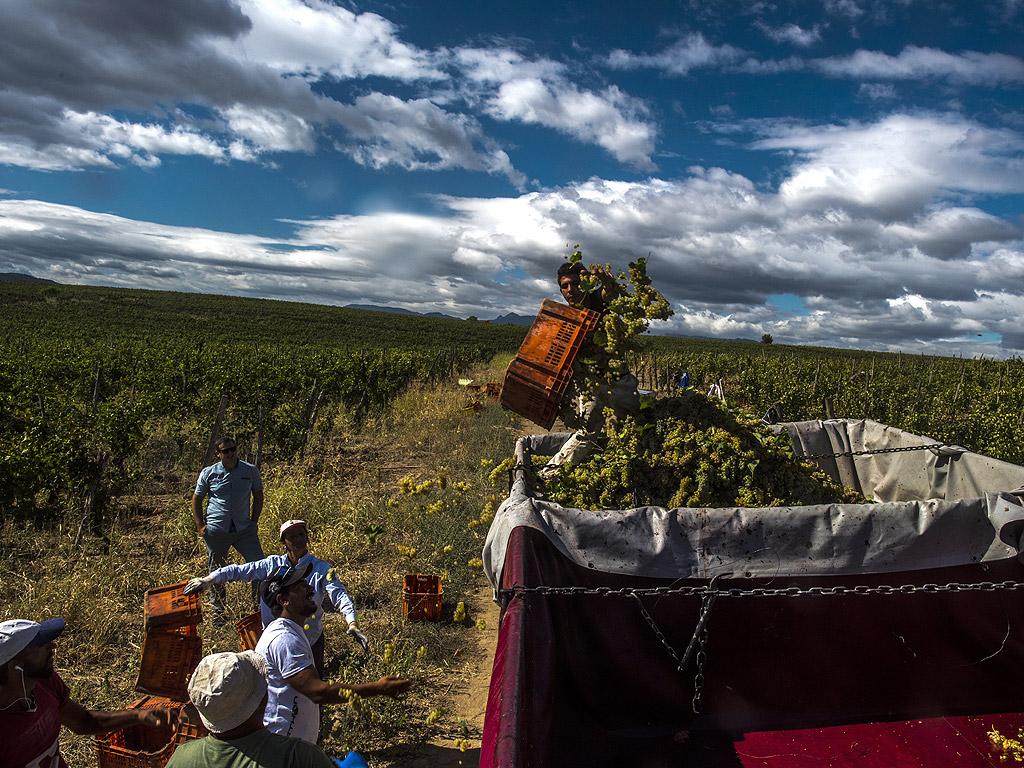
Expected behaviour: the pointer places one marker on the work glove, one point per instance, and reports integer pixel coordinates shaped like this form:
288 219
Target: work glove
359 637
198 584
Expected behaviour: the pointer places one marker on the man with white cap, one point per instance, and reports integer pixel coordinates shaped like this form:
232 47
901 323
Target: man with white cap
35 702
230 692
296 690
295 538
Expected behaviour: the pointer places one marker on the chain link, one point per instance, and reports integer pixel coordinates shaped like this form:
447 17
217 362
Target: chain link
881 589
936 446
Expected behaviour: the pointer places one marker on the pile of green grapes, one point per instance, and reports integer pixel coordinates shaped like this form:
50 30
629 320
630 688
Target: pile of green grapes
690 451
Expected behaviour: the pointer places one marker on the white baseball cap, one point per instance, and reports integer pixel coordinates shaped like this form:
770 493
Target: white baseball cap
18 634
288 525
227 688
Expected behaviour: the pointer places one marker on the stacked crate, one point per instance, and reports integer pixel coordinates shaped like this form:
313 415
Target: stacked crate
540 373
171 649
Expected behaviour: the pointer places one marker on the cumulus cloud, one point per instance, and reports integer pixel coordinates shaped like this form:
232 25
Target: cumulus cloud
316 39
539 92
871 273
682 57
915 63
791 34
252 67
895 166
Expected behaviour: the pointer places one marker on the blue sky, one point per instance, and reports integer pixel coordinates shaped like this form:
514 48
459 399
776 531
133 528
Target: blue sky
844 173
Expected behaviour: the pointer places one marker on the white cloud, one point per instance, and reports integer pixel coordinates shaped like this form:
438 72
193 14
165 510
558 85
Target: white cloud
690 53
871 276
538 92
877 91
792 34
318 39
269 130
418 134
897 165
915 63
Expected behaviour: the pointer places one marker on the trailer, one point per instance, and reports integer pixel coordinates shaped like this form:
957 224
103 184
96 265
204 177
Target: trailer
880 634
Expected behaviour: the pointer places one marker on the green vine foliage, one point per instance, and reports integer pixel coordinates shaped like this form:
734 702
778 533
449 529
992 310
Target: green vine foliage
689 451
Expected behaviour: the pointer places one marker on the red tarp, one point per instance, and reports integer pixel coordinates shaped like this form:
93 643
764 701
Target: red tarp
810 680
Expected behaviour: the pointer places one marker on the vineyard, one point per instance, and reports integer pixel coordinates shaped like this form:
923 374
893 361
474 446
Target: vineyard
110 397
976 403
99 386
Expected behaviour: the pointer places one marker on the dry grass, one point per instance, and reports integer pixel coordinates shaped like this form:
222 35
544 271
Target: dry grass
348 486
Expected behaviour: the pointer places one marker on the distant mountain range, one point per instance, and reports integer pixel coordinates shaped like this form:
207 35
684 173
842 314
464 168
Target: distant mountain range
510 319
17 277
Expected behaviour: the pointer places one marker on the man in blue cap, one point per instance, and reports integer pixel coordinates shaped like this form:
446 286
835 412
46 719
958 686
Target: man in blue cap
35 702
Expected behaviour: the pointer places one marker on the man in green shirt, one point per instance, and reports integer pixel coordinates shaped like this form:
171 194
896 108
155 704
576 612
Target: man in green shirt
230 692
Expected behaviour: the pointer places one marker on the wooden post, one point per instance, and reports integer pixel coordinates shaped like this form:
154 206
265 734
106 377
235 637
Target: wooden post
96 391
93 499
259 438
828 408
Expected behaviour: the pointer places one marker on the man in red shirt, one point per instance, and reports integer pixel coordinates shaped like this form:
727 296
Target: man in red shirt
35 702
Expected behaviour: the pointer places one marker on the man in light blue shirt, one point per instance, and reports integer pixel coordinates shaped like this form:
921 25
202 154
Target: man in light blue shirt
320 576
229 520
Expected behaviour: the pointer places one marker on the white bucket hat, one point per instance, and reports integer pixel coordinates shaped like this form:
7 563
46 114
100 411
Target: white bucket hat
18 634
227 688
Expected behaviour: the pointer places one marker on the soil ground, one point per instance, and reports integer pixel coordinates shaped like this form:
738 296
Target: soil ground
466 700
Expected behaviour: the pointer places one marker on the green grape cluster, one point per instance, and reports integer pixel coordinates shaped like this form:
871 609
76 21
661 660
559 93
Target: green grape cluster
601 360
689 451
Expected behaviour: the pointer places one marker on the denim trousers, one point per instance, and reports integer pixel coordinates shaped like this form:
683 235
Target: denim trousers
246 543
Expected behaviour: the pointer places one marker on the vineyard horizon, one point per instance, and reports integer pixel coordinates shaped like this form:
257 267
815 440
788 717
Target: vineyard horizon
100 387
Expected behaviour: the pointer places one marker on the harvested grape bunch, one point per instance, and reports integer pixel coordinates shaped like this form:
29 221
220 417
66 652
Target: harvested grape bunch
688 451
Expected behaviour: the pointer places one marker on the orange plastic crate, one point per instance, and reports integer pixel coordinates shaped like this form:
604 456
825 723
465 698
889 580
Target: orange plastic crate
169 607
250 629
421 598
168 659
540 373
145 746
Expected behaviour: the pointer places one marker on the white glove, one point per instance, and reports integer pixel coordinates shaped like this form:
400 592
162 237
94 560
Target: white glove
198 584
359 637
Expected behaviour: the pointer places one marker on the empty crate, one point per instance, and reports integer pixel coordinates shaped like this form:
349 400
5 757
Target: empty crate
249 630
540 373
421 598
169 608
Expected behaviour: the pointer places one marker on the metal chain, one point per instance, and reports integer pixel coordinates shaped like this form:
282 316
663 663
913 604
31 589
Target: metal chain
881 589
660 635
709 594
702 635
879 450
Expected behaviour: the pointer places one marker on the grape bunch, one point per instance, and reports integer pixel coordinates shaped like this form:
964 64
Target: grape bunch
601 361
691 451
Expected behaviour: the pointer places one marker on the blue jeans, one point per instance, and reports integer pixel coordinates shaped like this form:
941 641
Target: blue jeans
246 543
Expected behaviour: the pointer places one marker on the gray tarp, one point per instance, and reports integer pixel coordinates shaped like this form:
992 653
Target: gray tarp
937 507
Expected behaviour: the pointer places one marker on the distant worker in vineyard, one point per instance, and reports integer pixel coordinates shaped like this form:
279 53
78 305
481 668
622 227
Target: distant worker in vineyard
229 520
587 418
35 702
295 538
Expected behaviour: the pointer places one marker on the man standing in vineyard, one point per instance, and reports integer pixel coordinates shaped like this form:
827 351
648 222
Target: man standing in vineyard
229 521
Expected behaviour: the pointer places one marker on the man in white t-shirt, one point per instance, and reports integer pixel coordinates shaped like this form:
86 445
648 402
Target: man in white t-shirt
295 690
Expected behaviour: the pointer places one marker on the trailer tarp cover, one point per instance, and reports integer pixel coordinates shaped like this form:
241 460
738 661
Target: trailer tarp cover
800 675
